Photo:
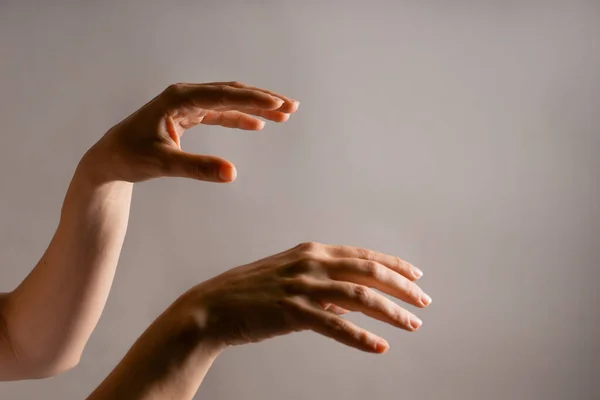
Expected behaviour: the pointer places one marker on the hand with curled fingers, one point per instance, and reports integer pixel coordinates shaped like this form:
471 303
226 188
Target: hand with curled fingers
147 144
307 287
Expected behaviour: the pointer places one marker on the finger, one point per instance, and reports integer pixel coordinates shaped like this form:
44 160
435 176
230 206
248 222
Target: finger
360 298
376 275
233 119
397 264
332 308
199 167
289 106
275 116
337 310
185 96
310 317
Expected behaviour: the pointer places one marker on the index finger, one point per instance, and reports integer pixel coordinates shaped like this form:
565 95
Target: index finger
215 97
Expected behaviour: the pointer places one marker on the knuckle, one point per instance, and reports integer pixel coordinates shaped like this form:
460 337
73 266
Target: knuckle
400 264
363 337
174 89
348 251
310 246
361 293
373 269
236 84
364 253
412 291
397 314
221 95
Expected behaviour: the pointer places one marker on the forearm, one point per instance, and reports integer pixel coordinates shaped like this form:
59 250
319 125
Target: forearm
169 361
51 314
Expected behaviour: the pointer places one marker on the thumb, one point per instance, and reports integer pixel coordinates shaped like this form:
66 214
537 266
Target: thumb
201 167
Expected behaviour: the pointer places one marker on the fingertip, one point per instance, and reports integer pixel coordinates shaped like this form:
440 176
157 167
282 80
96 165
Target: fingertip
417 273
277 102
381 346
227 173
426 299
415 322
290 107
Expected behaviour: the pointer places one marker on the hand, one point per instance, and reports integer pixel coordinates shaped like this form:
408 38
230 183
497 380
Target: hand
306 287
147 144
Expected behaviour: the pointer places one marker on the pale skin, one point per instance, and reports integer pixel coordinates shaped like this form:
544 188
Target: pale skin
307 287
47 320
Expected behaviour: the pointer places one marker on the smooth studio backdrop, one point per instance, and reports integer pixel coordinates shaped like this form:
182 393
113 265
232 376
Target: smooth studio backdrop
462 136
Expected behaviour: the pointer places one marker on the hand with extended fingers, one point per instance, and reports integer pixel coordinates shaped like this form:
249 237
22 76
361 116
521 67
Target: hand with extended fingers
147 144
306 287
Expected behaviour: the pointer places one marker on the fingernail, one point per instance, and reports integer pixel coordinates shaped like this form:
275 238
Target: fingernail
381 346
227 173
278 101
415 322
417 272
425 299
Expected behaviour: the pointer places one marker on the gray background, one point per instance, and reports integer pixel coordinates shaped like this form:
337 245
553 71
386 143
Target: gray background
462 136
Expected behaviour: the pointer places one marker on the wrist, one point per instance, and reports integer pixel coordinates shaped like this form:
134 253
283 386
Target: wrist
91 189
188 319
96 166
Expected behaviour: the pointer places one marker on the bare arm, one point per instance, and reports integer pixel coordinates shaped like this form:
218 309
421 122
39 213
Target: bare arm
47 320
51 314
169 361
306 287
